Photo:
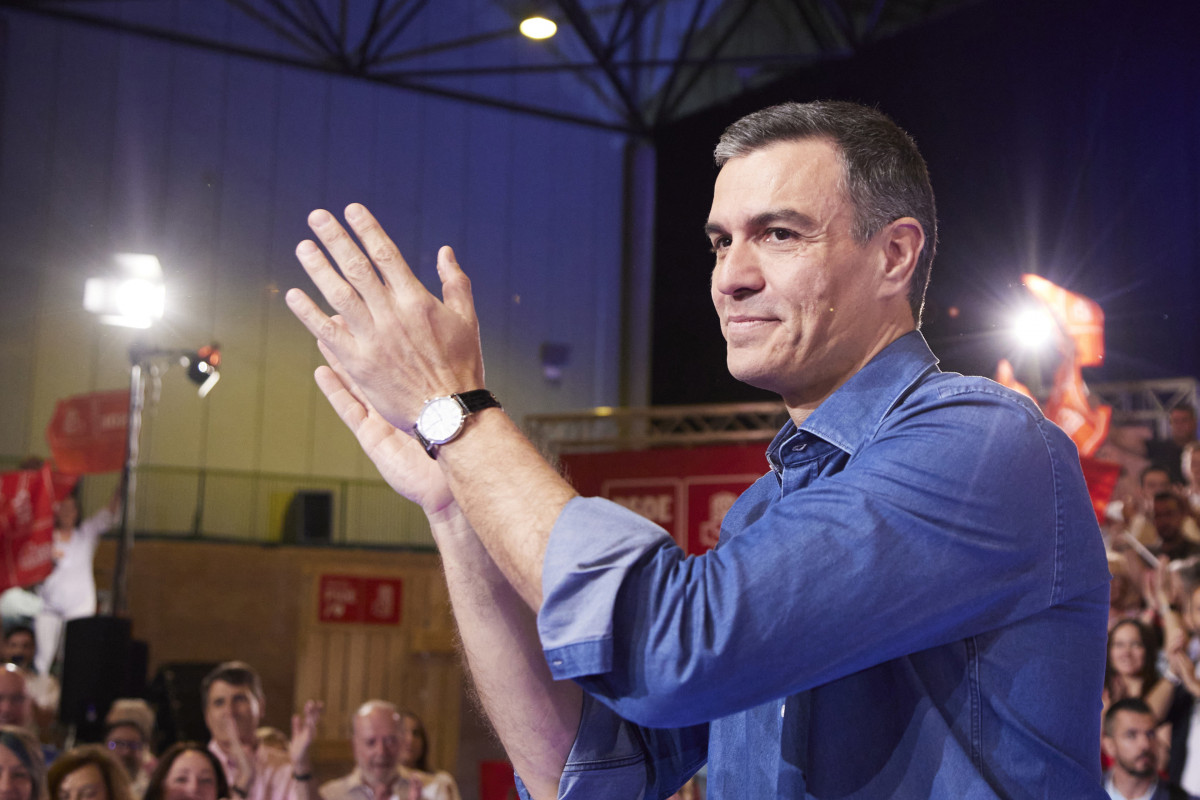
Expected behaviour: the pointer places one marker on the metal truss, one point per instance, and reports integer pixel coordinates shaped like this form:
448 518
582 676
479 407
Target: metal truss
624 65
662 426
1146 401
607 428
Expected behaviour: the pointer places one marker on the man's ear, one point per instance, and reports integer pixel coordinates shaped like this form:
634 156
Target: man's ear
901 242
1106 744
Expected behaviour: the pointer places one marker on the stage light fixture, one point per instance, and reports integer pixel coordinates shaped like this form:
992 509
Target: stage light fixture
203 367
1035 328
131 294
538 27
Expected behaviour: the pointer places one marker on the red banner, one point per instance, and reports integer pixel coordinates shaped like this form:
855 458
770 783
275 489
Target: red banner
87 432
685 490
354 599
26 527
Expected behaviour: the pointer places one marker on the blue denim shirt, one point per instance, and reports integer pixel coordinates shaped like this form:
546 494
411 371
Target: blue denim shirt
911 604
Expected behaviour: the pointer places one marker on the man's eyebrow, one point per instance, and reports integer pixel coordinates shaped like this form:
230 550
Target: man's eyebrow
767 218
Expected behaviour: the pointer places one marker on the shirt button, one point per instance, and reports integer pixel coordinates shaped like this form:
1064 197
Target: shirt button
782 711
557 662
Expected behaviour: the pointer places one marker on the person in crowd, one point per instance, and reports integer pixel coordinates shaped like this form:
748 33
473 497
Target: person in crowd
1130 744
920 541
128 732
20 646
22 768
1181 421
1170 513
69 591
1132 668
1137 512
16 708
1191 476
1183 766
1130 593
414 747
272 737
233 708
380 737
88 772
188 771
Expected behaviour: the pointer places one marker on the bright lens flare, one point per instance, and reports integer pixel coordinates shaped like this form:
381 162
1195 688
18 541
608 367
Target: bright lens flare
1035 328
538 28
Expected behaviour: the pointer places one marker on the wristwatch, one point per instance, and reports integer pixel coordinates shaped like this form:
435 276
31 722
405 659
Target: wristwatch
442 419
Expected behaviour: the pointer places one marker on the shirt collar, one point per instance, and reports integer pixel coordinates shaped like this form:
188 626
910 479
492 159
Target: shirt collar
852 413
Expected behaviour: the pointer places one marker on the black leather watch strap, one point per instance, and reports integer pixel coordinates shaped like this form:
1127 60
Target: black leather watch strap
472 401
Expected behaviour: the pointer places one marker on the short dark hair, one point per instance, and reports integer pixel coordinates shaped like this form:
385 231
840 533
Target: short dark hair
116 780
235 673
885 176
1171 496
1184 406
155 789
1135 704
15 629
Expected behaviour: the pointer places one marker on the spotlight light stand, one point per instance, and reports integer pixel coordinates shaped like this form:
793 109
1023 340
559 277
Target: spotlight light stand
140 358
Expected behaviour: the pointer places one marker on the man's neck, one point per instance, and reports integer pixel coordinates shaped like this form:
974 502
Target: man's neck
1131 786
380 789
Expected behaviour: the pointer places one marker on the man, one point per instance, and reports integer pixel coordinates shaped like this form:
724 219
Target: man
1129 741
911 603
377 732
20 646
233 707
1170 513
16 707
1166 453
128 728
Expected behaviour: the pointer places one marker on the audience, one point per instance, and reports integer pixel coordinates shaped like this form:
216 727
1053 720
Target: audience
69 592
381 733
1132 668
233 706
128 732
22 769
1129 742
187 771
88 773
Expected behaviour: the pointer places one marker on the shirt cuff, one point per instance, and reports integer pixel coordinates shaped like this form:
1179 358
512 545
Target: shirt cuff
593 546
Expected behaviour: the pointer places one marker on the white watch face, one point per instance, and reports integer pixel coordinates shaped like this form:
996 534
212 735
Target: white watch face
440 420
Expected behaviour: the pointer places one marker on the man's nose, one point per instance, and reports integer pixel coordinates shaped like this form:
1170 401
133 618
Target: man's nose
738 270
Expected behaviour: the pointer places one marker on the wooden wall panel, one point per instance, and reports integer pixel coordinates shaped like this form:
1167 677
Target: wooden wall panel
202 601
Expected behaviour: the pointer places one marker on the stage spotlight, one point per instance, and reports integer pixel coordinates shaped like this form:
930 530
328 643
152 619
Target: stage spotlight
131 295
203 367
538 27
1035 328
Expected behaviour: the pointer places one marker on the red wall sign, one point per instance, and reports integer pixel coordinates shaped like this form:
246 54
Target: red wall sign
351 598
685 490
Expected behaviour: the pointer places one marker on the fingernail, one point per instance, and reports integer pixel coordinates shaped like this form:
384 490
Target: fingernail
320 218
354 212
306 248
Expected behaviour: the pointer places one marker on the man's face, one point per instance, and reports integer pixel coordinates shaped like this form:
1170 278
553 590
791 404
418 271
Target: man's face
1131 745
14 701
1153 482
377 745
1168 519
66 513
19 648
232 711
125 742
797 296
1183 426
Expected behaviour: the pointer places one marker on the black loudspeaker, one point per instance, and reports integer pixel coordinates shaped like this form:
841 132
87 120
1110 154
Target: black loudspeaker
309 518
175 692
101 662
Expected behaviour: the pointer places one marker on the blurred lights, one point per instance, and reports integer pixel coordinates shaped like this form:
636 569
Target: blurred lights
538 28
1035 328
132 295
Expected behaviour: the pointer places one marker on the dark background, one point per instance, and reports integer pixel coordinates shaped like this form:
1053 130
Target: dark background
1062 139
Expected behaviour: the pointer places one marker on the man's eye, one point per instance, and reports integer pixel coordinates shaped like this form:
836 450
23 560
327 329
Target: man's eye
780 234
719 243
